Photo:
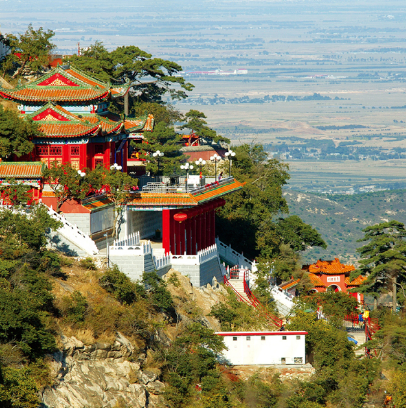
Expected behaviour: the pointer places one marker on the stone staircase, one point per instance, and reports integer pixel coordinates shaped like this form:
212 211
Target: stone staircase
244 294
238 285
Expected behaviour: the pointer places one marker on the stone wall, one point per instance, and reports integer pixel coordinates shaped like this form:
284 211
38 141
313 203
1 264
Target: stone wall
134 265
82 221
146 222
202 274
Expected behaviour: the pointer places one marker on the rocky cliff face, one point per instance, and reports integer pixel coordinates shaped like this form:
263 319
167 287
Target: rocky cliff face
100 375
104 375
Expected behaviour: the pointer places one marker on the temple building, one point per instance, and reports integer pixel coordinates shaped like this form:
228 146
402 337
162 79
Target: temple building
329 275
71 111
163 225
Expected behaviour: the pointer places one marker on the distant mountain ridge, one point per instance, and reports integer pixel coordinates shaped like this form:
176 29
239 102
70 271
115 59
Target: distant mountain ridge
340 219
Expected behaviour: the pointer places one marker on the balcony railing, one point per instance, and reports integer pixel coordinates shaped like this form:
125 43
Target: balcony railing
167 185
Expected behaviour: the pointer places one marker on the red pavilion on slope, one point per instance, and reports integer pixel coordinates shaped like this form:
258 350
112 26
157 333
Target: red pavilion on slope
71 110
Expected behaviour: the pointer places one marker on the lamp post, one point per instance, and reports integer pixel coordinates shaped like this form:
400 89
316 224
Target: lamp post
81 173
115 166
230 154
158 155
200 163
186 167
215 158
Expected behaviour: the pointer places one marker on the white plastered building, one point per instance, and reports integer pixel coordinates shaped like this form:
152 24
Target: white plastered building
264 348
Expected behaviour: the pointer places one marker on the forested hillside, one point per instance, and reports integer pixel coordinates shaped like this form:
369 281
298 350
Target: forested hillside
340 219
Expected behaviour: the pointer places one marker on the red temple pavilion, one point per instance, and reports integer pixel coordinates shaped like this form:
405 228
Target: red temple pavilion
71 111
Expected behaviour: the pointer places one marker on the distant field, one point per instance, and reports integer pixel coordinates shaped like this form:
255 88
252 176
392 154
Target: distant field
351 52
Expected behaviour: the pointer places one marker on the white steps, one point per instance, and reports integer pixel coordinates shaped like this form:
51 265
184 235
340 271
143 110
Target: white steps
238 285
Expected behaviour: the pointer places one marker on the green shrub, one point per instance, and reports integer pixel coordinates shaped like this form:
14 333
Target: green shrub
74 307
160 297
18 388
88 263
121 286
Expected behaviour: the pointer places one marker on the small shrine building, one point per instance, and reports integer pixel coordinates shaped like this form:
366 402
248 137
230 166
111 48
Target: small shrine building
333 275
328 275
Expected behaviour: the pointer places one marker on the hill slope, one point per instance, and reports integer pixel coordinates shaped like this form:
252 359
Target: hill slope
341 218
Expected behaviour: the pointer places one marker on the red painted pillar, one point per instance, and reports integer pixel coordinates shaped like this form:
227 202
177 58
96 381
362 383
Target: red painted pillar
198 231
204 230
173 231
65 154
194 233
166 230
106 156
208 223
182 231
189 236
213 237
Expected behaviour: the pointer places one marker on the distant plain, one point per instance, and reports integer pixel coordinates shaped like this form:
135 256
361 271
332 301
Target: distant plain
351 52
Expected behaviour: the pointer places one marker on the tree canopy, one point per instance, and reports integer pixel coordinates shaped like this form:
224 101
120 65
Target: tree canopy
152 78
383 258
195 122
29 50
254 208
15 134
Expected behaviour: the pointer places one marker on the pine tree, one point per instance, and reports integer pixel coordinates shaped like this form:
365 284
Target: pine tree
383 258
15 134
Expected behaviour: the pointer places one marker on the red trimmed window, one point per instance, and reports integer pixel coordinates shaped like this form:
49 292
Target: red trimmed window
98 149
75 151
97 162
42 150
55 150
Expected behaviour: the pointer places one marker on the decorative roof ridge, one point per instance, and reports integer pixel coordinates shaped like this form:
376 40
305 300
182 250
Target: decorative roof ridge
59 109
35 163
87 76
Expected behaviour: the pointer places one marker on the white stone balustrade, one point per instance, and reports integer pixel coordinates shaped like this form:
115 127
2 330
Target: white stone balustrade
74 234
282 298
69 231
133 239
202 256
125 250
233 257
162 262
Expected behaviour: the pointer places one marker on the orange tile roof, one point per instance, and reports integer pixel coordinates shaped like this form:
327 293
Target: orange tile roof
183 199
218 191
70 126
21 170
67 130
162 199
289 284
331 267
84 78
55 95
145 123
48 194
316 281
60 85
356 282
97 203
